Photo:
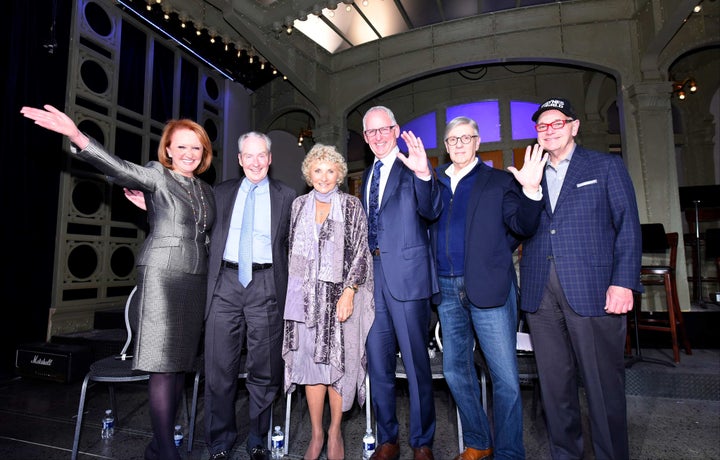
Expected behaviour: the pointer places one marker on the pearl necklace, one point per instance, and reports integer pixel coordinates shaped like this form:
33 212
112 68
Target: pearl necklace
202 209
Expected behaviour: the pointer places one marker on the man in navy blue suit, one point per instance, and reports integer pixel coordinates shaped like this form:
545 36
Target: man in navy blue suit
401 197
486 212
577 274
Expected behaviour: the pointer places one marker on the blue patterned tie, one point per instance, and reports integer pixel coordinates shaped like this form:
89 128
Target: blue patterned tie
373 206
245 257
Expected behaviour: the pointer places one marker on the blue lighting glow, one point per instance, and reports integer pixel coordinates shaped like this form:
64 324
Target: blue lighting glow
423 127
486 114
521 119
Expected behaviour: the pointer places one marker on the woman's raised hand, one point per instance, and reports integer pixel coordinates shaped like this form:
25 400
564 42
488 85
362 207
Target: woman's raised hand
55 120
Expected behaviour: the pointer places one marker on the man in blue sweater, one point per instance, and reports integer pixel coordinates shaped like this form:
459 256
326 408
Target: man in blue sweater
486 213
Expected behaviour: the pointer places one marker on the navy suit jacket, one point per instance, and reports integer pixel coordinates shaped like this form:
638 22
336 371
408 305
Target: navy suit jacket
593 236
281 198
408 206
498 216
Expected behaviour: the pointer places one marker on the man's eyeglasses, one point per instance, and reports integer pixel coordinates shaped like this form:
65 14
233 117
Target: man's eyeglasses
557 124
385 130
466 139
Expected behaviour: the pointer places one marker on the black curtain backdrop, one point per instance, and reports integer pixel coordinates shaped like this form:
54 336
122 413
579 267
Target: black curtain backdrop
34 72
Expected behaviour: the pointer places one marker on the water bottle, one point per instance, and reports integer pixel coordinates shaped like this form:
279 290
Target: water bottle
108 425
432 349
178 436
278 443
368 444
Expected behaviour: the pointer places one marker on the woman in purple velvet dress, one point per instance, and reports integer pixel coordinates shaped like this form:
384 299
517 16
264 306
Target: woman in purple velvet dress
329 307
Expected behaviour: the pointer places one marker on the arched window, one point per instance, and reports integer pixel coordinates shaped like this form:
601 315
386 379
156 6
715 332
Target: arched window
486 114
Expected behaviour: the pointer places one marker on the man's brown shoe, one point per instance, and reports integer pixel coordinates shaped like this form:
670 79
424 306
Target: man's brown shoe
475 454
387 451
422 453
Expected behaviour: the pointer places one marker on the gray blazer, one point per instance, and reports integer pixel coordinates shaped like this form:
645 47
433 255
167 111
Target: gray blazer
174 241
281 198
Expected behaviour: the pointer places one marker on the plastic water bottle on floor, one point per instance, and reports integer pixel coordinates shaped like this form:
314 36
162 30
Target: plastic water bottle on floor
108 425
278 443
368 444
178 436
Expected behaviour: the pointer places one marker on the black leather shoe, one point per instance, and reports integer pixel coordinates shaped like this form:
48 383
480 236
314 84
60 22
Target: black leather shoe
222 455
259 453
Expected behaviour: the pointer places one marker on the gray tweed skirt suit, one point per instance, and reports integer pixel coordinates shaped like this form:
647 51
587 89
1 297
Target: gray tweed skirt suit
168 308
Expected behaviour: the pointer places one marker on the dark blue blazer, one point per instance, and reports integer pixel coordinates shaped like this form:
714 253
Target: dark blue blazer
281 198
593 236
498 217
408 206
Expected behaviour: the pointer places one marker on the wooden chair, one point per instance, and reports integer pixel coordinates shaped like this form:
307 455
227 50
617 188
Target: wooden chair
655 241
712 249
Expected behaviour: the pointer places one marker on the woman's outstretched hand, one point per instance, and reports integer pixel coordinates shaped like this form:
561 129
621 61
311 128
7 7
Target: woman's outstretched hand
136 197
55 120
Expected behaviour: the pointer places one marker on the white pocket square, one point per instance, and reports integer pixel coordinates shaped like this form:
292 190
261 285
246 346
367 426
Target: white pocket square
587 182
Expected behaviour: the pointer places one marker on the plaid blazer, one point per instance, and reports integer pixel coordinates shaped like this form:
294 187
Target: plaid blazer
593 236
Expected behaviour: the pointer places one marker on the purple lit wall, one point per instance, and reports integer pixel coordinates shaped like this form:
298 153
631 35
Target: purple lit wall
521 119
423 127
486 114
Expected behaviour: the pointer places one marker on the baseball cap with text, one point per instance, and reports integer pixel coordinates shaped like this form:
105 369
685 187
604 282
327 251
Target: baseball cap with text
563 105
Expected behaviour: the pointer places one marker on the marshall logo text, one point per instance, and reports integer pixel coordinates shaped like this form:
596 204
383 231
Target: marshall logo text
41 361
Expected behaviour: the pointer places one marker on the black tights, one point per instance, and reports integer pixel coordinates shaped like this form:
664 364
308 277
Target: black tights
165 394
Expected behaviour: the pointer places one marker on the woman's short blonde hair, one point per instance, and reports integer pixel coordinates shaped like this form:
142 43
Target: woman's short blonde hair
322 152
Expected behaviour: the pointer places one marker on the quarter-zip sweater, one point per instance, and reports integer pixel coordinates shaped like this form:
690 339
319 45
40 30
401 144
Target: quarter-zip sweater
451 224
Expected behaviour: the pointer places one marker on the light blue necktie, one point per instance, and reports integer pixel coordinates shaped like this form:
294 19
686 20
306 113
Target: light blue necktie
245 258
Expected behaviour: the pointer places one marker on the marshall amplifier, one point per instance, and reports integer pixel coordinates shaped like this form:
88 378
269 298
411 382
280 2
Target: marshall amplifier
51 361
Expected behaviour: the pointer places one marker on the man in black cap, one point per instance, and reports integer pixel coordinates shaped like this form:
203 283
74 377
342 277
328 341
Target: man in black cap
578 273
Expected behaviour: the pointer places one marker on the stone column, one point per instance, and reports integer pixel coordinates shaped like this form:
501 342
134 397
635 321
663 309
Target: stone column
332 133
650 155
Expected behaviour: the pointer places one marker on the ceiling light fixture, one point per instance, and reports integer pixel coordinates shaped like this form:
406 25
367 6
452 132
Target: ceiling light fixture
166 17
679 87
166 12
304 134
174 39
332 4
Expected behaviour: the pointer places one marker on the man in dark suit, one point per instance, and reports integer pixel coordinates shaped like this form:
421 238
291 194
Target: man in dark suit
578 273
252 313
401 197
486 212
